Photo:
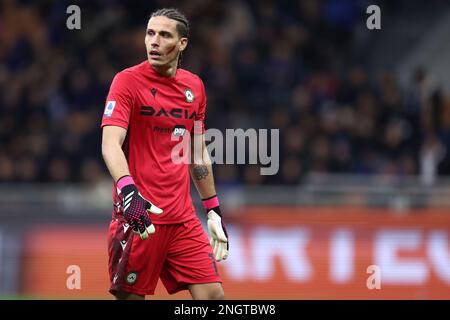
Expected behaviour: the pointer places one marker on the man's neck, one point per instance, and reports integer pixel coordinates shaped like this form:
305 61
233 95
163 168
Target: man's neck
165 71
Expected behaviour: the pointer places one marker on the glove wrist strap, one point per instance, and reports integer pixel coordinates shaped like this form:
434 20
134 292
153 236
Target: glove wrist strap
124 181
211 202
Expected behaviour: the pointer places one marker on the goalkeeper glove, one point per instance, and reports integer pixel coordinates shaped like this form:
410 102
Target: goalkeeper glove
136 208
216 228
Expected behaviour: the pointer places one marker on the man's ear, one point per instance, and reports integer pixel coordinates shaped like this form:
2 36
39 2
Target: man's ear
183 43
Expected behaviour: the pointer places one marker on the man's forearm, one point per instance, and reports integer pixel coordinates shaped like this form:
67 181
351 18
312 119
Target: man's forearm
201 167
115 160
202 175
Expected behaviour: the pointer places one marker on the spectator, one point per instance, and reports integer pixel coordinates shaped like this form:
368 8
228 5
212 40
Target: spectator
269 64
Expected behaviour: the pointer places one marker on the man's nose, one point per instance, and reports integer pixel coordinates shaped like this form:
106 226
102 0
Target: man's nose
154 41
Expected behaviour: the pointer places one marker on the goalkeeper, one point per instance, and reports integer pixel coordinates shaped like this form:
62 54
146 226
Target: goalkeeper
155 233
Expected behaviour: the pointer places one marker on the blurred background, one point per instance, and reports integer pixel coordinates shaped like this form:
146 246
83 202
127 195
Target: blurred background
364 120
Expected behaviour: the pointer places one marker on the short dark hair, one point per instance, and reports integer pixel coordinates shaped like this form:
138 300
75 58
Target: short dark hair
174 14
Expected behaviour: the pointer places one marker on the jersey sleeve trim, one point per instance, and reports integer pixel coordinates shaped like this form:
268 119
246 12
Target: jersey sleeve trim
114 122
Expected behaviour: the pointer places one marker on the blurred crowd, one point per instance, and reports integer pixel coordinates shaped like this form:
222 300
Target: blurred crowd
291 65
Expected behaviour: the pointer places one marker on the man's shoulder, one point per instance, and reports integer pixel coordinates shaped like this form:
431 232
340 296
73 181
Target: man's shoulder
188 75
137 68
132 71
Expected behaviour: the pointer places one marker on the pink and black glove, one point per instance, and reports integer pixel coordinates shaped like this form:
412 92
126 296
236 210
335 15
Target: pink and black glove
136 208
216 228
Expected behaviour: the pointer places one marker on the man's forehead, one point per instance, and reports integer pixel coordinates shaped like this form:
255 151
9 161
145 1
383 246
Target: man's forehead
162 23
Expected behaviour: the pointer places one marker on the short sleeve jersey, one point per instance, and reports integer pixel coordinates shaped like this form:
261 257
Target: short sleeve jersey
159 114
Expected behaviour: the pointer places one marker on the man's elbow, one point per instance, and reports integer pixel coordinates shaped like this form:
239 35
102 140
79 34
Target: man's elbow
201 159
105 149
108 147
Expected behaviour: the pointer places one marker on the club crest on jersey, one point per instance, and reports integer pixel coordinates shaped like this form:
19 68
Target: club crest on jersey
109 108
131 277
189 95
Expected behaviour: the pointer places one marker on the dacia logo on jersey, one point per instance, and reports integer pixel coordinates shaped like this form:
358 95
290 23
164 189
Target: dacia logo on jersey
176 113
179 130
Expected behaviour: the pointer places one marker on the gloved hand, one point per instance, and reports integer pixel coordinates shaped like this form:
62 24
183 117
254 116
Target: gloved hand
219 235
136 208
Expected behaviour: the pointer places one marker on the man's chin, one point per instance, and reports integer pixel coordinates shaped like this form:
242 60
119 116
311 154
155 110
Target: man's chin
156 63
